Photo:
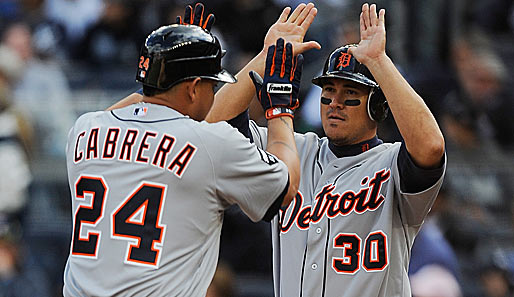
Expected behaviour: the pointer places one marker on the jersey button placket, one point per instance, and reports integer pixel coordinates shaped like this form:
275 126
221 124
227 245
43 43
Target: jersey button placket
314 266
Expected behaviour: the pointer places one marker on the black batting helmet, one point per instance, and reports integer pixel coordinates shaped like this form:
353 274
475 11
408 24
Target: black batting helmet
341 64
174 53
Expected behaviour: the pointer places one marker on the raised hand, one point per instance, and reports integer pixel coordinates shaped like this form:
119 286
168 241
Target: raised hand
373 35
196 17
281 83
292 28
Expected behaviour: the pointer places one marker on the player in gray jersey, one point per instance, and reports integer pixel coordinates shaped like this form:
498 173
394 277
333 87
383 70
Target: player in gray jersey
350 228
150 181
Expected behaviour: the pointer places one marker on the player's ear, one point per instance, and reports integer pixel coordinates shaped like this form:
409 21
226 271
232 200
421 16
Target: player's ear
193 89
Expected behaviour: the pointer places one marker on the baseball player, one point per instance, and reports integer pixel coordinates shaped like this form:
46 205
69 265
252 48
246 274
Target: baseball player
361 202
150 181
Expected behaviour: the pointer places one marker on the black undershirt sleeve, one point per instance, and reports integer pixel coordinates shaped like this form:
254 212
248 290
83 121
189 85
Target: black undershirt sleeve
414 179
273 209
242 123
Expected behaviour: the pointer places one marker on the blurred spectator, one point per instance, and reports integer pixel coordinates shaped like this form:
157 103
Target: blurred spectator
113 40
15 138
14 142
493 15
237 20
30 11
42 93
434 281
481 105
15 281
472 219
76 16
495 282
9 9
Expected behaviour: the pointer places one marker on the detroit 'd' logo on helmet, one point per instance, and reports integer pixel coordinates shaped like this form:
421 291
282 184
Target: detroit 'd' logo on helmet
344 60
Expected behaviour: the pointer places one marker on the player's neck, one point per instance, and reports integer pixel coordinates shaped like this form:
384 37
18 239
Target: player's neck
353 149
165 100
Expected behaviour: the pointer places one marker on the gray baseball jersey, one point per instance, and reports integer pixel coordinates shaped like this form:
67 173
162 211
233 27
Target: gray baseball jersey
349 230
149 187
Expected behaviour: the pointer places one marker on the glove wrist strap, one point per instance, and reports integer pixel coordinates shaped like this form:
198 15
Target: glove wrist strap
276 112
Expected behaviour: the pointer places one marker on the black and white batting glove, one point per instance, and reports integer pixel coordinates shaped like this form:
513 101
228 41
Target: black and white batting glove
278 91
196 17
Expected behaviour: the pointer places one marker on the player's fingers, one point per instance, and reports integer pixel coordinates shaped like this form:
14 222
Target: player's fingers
198 14
279 57
362 24
303 15
381 17
297 72
288 61
309 19
373 19
209 22
365 15
305 46
283 16
296 12
188 15
270 60
178 20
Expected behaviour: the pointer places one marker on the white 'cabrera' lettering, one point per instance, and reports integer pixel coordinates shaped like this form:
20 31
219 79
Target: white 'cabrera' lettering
273 88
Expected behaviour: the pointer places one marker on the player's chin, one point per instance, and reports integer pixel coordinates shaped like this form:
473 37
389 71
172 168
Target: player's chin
333 131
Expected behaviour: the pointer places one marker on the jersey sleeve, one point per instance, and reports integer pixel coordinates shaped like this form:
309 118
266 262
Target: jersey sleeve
242 124
247 175
415 205
259 134
413 178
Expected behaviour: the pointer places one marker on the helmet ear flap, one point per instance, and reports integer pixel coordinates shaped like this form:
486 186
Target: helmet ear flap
378 108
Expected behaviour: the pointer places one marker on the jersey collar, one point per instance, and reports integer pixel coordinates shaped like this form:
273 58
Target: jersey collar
354 149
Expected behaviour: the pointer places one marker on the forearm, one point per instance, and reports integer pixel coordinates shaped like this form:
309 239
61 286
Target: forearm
281 144
130 99
417 125
233 99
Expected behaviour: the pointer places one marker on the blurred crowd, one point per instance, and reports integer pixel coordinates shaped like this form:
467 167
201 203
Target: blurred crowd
60 58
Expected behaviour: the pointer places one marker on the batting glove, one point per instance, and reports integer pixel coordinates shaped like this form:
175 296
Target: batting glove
196 17
278 91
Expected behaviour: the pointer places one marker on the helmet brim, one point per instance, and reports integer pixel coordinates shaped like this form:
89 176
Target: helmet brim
356 77
222 76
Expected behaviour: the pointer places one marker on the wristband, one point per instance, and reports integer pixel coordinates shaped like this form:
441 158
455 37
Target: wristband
276 112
